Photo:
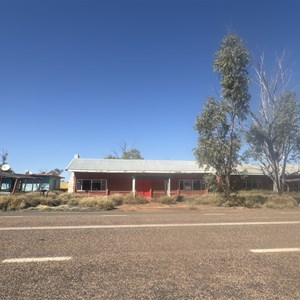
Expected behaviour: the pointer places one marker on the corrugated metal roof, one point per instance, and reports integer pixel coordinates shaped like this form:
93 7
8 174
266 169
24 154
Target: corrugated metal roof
156 166
134 166
14 175
253 169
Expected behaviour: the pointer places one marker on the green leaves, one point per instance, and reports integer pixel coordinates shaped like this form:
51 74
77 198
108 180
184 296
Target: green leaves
231 62
218 140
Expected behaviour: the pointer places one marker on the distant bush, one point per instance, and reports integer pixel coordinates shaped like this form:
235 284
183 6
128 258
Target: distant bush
277 201
32 200
166 200
258 199
100 202
206 199
134 199
64 201
295 195
117 199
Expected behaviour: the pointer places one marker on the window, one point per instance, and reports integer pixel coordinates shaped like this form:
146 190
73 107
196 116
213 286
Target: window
192 185
91 185
252 184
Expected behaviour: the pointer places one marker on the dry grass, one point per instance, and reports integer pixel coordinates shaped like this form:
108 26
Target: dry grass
166 200
135 199
65 201
206 199
285 201
61 200
249 199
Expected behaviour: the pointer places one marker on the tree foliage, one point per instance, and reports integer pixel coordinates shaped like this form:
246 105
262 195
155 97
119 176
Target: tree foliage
218 139
3 156
131 153
274 133
56 171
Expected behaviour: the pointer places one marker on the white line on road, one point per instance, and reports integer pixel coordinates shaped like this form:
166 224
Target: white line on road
146 225
276 250
36 259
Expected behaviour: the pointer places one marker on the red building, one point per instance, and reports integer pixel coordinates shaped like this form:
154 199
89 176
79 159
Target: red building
150 178
153 178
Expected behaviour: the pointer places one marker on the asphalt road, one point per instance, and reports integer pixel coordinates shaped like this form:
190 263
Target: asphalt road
159 254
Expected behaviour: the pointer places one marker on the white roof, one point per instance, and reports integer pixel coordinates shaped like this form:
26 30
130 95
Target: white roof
155 166
134 166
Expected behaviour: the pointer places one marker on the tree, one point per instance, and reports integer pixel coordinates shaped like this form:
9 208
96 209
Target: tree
218 139
274 133
56 171
131 153
4 156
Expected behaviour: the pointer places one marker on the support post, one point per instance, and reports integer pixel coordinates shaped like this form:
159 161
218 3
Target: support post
133 185
15 186
169 187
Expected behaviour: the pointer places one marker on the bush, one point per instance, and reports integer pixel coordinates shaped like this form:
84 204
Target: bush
32 200
167 200
296 196
58 200
4 200
134 199
284 201
117 199
100 202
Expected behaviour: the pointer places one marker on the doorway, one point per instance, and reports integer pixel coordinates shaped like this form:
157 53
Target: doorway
143 187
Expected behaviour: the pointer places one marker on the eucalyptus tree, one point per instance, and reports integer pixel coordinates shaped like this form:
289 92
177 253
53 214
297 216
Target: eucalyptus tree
3 158
218 138
274 133
131 153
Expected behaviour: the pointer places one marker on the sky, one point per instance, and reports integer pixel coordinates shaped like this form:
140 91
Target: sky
83 77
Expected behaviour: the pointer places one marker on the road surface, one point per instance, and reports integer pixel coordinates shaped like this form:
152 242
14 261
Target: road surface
158 254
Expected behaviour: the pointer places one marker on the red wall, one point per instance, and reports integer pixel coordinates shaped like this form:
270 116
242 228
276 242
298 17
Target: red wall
122 183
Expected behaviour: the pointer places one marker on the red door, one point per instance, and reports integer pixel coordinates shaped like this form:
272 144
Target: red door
143 187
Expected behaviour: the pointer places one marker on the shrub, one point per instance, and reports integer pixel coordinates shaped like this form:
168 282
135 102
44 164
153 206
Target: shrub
296 195
96 202
32 200
4 200
284 201
166 199
134 199
117 199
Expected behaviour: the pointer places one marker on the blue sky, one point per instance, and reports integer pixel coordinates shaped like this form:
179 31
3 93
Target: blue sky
83 76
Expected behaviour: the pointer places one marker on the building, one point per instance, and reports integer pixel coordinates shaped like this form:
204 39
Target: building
47 182
11 183
152 178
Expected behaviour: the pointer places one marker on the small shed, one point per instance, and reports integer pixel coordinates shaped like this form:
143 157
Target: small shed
47 182
11 183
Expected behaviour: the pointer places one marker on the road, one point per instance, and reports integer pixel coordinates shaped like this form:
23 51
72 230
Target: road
158 254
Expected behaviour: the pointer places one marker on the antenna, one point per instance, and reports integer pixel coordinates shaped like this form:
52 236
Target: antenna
5 167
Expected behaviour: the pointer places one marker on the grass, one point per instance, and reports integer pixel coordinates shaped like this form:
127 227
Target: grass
249 199
166 200
56 200
134 199
64 201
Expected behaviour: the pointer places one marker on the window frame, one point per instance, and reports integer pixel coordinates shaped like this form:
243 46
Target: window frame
252 184
92 182
191 183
